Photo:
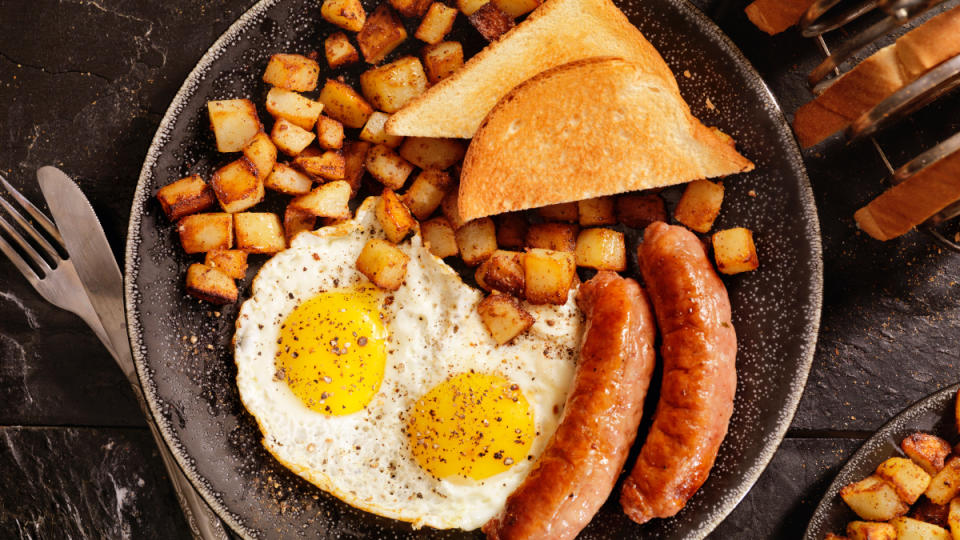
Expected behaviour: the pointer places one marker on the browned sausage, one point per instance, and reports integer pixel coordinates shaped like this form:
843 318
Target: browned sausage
699 374
577 470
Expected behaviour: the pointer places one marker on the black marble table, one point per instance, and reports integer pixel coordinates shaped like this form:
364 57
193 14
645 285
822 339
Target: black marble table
83 85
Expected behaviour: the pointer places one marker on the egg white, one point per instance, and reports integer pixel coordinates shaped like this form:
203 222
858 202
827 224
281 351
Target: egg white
435 332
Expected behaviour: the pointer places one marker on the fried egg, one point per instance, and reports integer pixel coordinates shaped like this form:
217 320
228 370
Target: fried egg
399 403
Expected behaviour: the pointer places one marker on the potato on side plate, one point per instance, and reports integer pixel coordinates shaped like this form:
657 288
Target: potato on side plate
374 131
504 317
286 179
347 14
200 233
262 153
734 251
597 211
234 122
953 517
428 153
410 8
699 205
913 529
296 221
383 264
477 240
945 485
329 133
439 237
502 271
436 24
344 104
490 21
185 196
442 60
232 262
259 232
394 217
387 167
906 477
427 192
292 72
354 158
926 450
329 165
516 8
381 34
638 210
873 499
290 138
548 275
339 51
470 6
560 212
555 236
870 530
330 200
237 186
293 107
391 86
450 205
602 249
211 285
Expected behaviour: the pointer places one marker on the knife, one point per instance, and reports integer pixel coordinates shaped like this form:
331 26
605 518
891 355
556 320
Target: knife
101 278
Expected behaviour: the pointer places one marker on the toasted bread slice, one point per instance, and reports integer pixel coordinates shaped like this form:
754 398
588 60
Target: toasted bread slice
557 32
587 129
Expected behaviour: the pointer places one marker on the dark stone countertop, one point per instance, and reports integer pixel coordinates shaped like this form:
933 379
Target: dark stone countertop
84 84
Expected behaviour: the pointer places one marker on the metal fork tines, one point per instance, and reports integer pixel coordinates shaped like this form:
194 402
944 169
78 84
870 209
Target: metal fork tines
52 275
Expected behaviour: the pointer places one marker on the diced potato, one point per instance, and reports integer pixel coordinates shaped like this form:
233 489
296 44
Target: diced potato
734 251
232 262
490 21
477 240
329 200
554 236
262 153
561 212
927 451
511 230
394 216
945 485
640 209
200 233
339 51
439 237
410 8
391 86
441 60
450 205
913 529
953 518
429 153
598 211
234 122
387 167
603 249
290 138
548 275
329 165
344 104
700 205
185 196
906 477
869 530
236 186
469 6
259 232
293 107
374 131
381 34
516 8
355 157
504 317
502 271
329 133
286 179
436 24
211 285
292 72
426 192
383 264
347 14
296 221
873 499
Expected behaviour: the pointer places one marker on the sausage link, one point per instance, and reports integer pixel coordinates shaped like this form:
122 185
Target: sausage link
577 470
699 374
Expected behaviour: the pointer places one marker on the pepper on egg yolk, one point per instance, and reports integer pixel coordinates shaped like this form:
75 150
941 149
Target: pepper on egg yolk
474 425
332 350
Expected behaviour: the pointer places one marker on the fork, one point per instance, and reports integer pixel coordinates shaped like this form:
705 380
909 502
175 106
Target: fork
61 286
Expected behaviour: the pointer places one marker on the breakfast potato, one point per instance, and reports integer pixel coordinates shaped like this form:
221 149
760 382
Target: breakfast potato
259 232
387 167
548 275
290 138
945 485
873 499
288 180
516 8
262 153
381 34
436 24
200 233
391 86
329 133
234 122
870 530
330 200
211 285
347 14
511 230
504 317
561 212
441 60
953 518
502 271
354 157
699 205
640 209
602 249
439 237
185 196
232 262
906 477
293 107
450 206
468 7
296 221
410 8
428 153
236 186
383 264
292 72
339 51
426 192
329 165
394 217
490 21
373 131
914 529
597 211
734 251
927 451
554 236
477 240
344 104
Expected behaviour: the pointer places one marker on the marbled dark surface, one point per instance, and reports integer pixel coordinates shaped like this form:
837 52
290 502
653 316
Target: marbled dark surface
83 85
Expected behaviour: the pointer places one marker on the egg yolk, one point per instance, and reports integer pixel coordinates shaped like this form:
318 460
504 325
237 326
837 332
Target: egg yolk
332 350
473 425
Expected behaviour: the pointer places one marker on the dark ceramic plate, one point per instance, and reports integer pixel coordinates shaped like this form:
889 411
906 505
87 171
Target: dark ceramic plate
182 347
932 414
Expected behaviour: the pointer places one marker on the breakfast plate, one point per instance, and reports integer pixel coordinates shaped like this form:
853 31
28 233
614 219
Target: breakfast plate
183 348
933 414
